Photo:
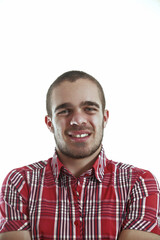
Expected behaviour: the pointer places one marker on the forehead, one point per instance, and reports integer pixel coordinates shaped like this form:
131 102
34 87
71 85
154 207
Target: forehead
75 92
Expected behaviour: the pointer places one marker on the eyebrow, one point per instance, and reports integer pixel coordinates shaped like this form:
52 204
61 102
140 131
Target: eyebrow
90 103
69 105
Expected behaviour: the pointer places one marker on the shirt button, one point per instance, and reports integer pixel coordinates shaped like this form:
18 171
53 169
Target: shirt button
76 223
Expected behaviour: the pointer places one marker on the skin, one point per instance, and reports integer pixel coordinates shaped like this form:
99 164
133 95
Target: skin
77 110
139 235
78 117
16 235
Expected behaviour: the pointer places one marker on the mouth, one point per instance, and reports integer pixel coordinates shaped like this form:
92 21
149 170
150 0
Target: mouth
79 136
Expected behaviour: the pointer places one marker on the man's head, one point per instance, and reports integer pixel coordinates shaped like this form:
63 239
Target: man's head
72 76
76 115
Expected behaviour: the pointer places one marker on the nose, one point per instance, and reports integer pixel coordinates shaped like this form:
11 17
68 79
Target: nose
78 119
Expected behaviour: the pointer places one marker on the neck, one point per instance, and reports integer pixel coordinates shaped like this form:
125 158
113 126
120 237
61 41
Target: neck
78 166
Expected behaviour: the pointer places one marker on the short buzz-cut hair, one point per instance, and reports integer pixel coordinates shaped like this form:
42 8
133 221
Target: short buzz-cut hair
72 76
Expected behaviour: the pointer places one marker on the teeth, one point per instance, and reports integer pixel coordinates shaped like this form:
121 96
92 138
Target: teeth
80 135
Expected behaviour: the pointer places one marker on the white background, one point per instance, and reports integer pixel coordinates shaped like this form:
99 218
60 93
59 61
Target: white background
118 42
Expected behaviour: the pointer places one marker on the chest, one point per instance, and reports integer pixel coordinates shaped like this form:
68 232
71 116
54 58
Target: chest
85 209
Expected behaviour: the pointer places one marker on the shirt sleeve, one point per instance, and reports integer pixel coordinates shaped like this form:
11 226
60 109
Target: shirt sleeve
143 209
14 203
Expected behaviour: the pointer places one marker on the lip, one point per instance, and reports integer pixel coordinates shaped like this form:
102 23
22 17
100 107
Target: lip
78 132
73 135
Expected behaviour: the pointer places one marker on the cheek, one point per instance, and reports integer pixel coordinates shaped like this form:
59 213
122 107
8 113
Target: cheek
59 125
97 122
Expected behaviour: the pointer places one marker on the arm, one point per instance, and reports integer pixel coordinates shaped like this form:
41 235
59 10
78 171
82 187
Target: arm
139 235
142 211
15 235
14 206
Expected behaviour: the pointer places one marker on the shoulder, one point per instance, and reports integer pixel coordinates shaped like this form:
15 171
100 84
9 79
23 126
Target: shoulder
128 174
20 176
119 167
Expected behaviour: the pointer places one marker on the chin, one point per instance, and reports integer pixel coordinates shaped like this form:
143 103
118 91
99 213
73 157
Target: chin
79 154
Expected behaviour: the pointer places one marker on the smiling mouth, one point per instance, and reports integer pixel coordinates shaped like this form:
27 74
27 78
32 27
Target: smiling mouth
79 136
83 135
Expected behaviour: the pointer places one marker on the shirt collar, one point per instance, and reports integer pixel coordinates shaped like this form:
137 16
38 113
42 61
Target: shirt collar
98 166
56 165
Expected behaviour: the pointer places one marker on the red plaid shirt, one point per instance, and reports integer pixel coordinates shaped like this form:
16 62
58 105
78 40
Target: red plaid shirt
47 200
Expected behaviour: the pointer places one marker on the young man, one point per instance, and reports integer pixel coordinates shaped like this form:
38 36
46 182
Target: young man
79 193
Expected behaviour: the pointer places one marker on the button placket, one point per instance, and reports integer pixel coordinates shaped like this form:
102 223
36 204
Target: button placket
78 225
76 195
76 190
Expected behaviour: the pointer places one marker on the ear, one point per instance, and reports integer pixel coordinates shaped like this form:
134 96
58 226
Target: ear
48 122
106 116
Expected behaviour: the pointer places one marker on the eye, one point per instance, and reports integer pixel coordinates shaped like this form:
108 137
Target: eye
64 112
90 110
